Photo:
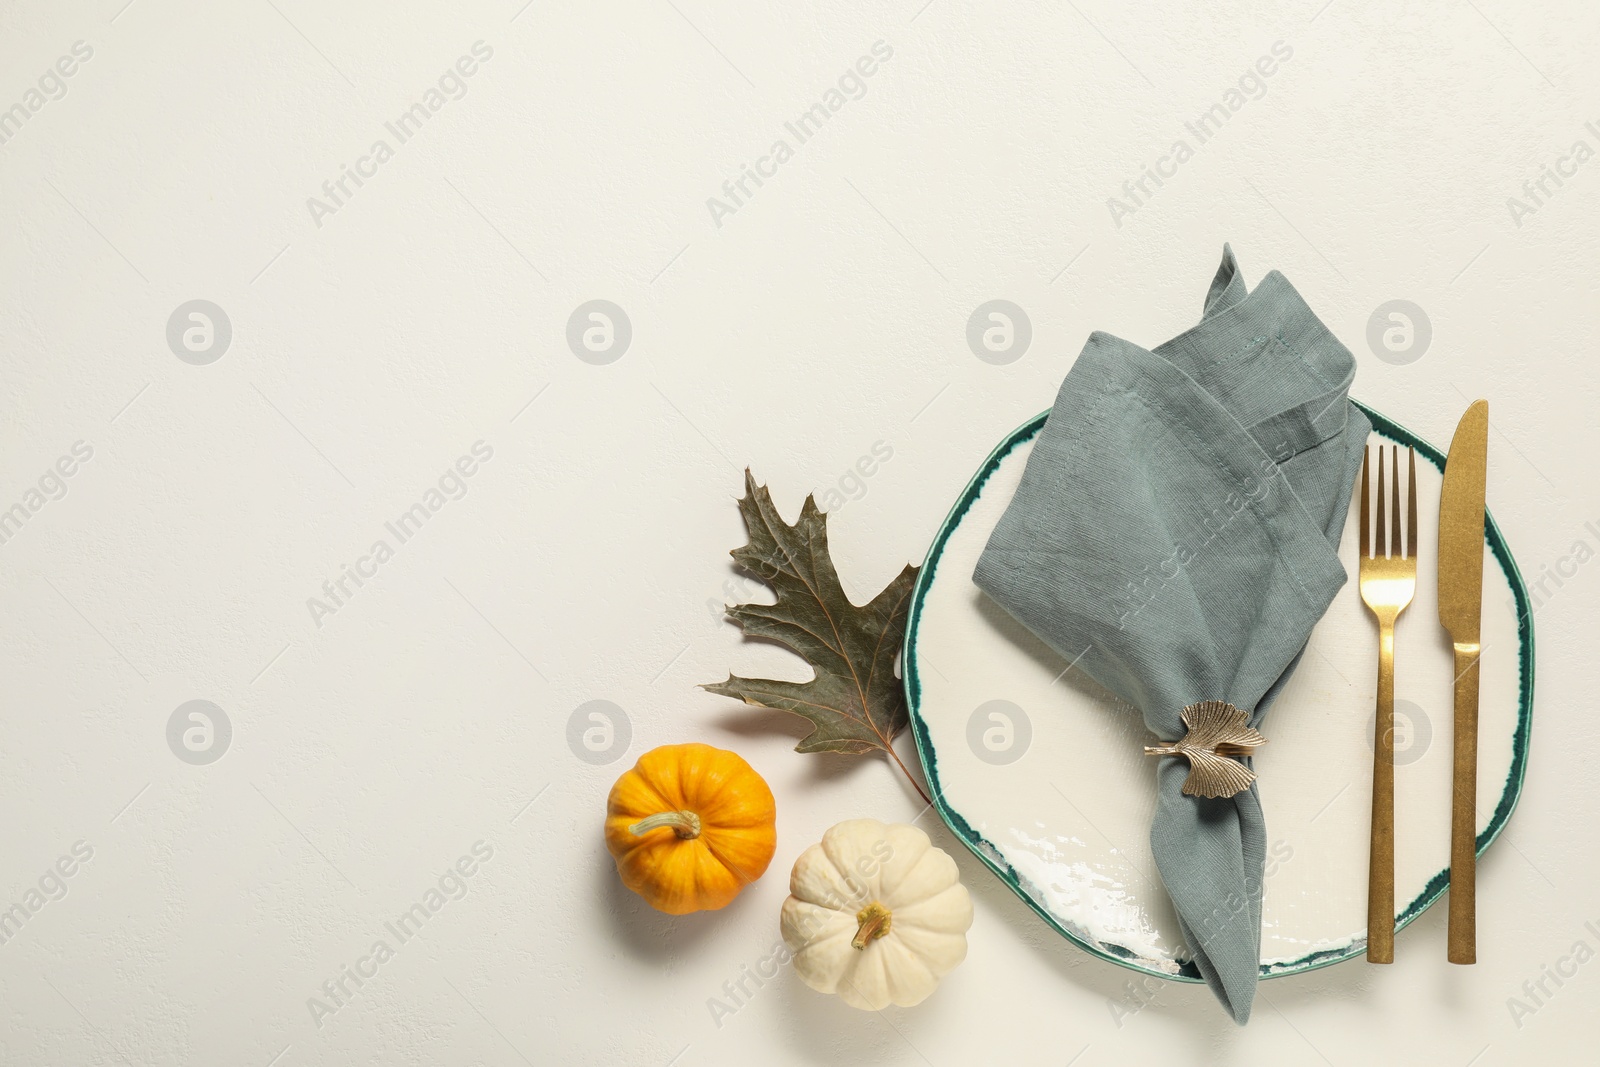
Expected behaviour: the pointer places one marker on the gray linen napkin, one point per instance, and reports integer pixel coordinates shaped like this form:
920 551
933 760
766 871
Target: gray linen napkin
1177 528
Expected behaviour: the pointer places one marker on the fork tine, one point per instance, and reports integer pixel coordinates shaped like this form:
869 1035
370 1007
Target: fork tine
1411 508
1381 534
1396 551
1366 516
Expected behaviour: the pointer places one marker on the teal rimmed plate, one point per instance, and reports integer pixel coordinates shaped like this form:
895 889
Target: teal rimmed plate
1042 774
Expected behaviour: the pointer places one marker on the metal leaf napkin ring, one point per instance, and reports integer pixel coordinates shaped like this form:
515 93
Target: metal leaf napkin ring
1217 732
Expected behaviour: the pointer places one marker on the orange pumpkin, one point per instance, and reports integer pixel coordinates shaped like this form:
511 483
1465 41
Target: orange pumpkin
690 826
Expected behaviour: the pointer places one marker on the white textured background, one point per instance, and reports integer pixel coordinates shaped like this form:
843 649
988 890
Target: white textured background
587 559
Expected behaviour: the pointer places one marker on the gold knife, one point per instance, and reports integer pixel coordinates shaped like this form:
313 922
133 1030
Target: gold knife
1460 612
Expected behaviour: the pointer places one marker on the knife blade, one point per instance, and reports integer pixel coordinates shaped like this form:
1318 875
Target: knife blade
1461 503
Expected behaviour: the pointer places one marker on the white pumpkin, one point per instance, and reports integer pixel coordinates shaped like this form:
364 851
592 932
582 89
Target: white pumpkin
876 914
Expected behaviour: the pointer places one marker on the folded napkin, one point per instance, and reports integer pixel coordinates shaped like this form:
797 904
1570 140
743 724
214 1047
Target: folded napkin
1176 534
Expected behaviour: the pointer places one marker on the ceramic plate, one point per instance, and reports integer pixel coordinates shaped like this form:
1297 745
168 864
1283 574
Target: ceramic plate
1042 773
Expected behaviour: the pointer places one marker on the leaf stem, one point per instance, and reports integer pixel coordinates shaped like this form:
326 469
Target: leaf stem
923 793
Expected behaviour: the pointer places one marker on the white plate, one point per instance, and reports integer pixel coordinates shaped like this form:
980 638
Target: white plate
1042 773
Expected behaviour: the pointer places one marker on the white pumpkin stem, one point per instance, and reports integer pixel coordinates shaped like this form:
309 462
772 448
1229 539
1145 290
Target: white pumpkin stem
872 922
686 824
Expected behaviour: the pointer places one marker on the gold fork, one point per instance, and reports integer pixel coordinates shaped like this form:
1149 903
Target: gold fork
1388 582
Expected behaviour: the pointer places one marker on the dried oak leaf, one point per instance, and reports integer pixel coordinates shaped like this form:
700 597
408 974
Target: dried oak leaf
855 702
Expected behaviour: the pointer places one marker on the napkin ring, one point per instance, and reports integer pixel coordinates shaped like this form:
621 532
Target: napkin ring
1217 733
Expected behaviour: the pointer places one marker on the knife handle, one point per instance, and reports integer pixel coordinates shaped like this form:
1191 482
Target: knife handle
1463 931
1380 865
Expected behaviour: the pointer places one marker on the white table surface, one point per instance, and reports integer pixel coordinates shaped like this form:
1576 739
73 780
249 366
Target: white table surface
377 339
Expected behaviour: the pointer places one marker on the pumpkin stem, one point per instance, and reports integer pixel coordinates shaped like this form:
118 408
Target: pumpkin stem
686 824
873 922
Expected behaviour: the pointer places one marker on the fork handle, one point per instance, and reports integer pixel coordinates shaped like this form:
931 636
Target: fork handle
1380 871
1463 931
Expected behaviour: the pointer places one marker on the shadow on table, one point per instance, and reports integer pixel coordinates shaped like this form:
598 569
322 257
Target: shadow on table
649 935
